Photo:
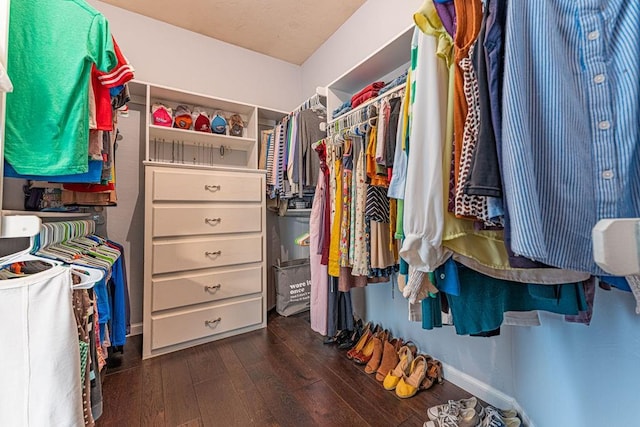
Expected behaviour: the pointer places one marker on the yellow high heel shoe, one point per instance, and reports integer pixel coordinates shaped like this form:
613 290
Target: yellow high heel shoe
392 379
409 385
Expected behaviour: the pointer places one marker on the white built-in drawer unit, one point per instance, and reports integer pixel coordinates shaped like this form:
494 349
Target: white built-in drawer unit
210 285
194 254
205 224
189 220
204 256
168 329
206 186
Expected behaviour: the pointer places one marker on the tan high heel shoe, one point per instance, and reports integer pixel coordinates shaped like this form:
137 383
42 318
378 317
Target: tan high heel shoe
409 385
378 346
434 374
405 355
390 358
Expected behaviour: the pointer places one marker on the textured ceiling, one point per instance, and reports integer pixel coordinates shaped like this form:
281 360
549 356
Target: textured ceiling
290 30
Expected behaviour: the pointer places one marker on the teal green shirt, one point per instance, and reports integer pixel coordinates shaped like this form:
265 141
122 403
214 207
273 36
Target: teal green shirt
52 46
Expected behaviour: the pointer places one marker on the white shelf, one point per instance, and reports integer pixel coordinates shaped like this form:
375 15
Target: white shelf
173 96
204 167
367 103
193 137
48 214
298 212
380 63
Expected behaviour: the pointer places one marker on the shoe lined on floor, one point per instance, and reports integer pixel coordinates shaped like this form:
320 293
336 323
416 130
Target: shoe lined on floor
434 374
363 357
405 356
339 337
376 358
493 418
453 407
409 385
352 339
366 335
464 418
390 358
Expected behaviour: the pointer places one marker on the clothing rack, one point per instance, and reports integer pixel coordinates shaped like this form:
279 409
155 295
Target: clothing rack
362 113
315 101
53 233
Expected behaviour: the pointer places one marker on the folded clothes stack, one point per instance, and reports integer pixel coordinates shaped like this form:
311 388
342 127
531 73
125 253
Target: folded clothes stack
401 79
366 93
346 106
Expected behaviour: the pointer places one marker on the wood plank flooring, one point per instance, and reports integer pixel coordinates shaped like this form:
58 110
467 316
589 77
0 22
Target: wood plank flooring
279 376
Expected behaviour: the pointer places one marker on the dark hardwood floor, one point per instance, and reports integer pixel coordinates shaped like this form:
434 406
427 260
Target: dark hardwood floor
279 376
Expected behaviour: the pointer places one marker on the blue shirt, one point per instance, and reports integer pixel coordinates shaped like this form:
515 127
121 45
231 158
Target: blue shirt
571 112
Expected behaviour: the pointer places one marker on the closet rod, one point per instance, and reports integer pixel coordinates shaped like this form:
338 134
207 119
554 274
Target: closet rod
315 99
367 103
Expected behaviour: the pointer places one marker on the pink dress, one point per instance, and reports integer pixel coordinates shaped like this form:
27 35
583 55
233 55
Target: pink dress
319 276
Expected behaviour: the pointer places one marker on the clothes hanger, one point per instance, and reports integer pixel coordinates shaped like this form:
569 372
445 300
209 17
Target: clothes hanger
303 240
88 277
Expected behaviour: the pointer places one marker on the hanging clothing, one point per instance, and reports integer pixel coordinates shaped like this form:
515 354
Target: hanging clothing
52 84
474 313
33 393
361 251
468 21
319 276
580 127
423 198
345 225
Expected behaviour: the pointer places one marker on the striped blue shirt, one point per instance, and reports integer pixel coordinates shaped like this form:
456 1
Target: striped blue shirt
571 129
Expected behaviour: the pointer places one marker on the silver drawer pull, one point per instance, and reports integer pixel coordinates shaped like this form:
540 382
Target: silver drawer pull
212 323
212 288
212 187
213 221
213 253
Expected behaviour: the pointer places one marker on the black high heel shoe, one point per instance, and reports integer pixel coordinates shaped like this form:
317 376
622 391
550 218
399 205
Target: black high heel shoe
354 337
339 337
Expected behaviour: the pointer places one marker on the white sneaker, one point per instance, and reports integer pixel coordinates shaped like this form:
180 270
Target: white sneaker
453 407
465 418
495 418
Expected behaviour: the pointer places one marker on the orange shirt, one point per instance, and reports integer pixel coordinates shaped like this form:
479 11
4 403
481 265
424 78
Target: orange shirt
469 20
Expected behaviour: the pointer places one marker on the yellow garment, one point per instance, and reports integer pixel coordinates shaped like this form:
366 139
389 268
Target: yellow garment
393 215
334 243
405 110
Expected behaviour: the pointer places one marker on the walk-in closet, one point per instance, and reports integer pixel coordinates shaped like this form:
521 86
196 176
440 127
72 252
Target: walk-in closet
338 213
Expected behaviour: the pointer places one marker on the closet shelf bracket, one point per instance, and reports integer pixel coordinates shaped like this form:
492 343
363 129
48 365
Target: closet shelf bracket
615 246
20 226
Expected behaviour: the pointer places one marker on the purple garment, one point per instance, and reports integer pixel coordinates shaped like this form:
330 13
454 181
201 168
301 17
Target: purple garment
589 293
447 13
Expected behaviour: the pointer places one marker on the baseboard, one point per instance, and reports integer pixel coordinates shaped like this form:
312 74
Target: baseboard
484 391
136 329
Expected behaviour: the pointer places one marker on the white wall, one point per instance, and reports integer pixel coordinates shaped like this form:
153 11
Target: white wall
572 375
167 55
171 56
125 223
369 28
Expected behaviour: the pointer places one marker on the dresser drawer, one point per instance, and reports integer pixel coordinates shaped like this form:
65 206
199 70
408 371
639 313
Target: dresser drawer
193 254
196 185
187 289
203 322
187 221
